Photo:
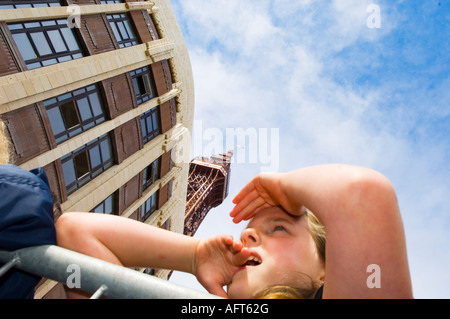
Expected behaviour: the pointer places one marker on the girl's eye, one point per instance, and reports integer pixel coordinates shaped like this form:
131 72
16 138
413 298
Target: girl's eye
279 228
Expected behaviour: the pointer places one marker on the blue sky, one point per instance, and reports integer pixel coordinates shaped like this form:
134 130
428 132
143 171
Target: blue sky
337 91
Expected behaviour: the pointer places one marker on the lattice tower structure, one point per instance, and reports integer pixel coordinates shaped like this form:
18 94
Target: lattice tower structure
207 188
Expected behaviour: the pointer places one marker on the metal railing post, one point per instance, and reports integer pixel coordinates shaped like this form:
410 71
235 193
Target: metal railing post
101 278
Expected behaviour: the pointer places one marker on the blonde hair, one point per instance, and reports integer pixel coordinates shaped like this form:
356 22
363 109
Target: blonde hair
308 291
5 145
318 233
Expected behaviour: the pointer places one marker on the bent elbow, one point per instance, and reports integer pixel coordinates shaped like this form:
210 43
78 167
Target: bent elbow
66 233
373 191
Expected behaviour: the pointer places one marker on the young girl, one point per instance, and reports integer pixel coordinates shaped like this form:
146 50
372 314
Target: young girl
281 253
365 242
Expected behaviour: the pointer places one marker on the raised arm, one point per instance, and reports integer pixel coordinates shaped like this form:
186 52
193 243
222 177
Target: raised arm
359 210
134 244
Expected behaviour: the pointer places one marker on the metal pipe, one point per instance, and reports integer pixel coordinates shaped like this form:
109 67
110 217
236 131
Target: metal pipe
58 263
100 292
10 264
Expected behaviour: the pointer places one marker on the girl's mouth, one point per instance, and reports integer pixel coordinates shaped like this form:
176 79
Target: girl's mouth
252 261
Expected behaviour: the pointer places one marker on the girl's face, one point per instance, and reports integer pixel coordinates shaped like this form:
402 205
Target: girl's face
283 252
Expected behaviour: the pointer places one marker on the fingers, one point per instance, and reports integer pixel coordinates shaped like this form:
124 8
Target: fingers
248 207
245 200
239 253
240 258
234 246
244 191
251 199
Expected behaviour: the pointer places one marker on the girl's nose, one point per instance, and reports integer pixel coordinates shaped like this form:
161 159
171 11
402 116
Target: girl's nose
250 237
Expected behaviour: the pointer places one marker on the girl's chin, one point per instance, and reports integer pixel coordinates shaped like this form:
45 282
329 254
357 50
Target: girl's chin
239 289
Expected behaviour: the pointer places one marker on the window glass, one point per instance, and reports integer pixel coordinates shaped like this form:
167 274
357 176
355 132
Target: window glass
123 31
94 154
155 121
106 150
115 30
33 66
69 172
48 23
65 96
136 86
15 26
100 208
95 103
109 205
41 43
129 29
84 108
56 120
149 124
49 62
24 46
75 132
70 39
57 41
64 58
144 129
29 25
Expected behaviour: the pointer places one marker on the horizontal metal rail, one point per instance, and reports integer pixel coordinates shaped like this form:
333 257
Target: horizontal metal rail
102 279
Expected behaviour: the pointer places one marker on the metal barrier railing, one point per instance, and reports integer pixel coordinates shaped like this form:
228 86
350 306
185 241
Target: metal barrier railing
98 277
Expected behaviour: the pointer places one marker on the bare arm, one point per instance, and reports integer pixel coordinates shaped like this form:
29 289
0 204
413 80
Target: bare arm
134 244
359 210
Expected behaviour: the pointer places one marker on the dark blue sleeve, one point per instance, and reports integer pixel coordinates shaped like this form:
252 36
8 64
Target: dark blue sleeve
26 219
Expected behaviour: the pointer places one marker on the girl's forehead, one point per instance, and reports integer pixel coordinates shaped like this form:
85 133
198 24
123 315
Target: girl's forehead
271 214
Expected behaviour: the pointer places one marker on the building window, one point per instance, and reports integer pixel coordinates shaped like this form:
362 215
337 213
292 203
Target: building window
150 124
123 29
19 4
149 206
45 42
144 87
87 162
110 1
75 112
151 173
105 207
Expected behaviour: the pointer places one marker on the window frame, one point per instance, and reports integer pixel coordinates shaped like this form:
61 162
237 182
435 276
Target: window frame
120 22
151 173
19 4
45 28
101 207
149 206
75 179
155 118
57 118
142 78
